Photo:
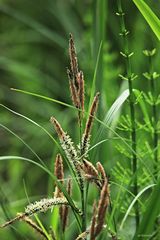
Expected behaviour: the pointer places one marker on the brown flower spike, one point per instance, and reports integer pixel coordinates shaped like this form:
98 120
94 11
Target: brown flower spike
59 173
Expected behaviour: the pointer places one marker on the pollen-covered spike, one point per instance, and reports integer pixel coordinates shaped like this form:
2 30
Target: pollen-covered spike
70 151
81 89
73 59
86 135
102 207
58 128
43 205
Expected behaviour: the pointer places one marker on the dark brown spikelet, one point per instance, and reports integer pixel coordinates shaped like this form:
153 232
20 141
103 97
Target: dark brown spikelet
102 207
86 135
93 222
65 209
59 173
34 226
89 169
81 89
58 128
101 170
73 91
58 170
73 60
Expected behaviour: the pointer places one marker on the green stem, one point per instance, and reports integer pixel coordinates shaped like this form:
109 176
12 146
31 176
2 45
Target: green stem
83 212
129 77
154 118
82 189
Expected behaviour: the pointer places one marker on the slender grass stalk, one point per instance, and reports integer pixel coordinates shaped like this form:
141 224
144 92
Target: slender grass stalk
151 76
130 77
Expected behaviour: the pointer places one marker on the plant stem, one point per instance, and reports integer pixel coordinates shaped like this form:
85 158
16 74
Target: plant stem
154 117
129 76
82 189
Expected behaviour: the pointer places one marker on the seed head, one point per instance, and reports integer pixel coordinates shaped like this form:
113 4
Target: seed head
59 173
101 170
73 60
102 207
57 127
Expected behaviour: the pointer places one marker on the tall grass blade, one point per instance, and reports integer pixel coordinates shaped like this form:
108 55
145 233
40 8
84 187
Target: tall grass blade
149 16
133 202
35 154
114 109
148 221
43 97
33 122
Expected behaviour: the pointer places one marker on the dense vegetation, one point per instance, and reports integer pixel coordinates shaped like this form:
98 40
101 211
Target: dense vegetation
117 46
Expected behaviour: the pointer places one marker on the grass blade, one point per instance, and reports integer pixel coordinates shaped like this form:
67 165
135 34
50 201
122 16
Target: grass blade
44 97
133 202
152 211
110 115
14 134
149 16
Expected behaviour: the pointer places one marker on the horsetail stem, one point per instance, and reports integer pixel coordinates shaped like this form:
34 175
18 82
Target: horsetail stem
151 76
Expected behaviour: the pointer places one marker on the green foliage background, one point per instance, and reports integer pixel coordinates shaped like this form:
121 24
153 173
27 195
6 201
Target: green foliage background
34 57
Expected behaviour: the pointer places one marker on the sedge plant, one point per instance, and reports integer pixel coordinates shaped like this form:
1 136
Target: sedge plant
82 170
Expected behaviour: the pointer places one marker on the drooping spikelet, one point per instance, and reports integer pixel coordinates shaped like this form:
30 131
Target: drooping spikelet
99 212
102 207
59 173
43 205
17 218
86 135
90 172
101 170
69 149
89 168
39 206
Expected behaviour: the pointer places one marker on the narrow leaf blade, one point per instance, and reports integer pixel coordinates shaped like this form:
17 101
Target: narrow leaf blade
149 16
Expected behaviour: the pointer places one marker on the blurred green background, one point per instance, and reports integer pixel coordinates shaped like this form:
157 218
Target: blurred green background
34 57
